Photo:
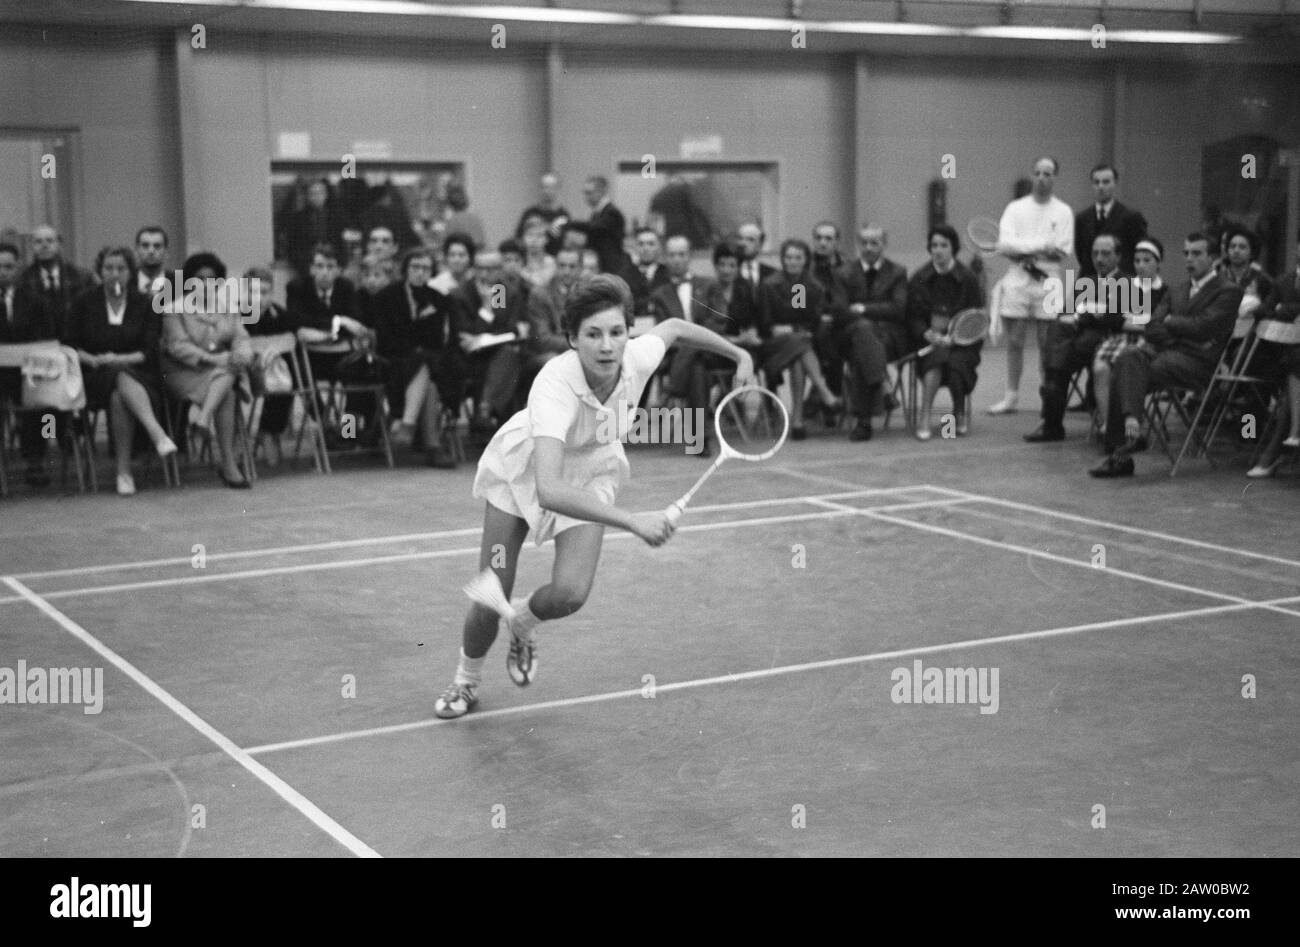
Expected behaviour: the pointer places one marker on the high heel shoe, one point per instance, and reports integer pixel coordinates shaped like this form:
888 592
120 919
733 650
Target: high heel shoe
240 484
1260 471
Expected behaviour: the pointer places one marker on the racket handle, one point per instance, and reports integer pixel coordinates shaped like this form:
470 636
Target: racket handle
674 512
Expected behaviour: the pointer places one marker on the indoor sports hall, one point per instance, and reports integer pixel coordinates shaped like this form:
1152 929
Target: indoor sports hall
955 634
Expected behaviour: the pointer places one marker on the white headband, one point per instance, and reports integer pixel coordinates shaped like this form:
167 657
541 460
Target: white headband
1150 247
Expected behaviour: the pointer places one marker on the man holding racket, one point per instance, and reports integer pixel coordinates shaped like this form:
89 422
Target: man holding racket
548 470
1037 233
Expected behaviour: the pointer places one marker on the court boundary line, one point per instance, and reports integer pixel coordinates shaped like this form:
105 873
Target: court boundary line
297 800
1119 527
759 674
415 537
249 574
1049 556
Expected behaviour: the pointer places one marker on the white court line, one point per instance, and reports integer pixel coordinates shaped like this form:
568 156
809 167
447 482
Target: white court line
1041 554
242 757
833 512
764 673
415 537
1168 537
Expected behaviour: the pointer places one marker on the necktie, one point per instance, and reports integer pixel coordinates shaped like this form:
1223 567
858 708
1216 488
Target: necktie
325 297
752 275
1101 216
9 305
871 279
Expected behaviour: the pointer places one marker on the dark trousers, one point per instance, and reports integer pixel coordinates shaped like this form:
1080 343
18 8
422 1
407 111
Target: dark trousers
325 366
868 346
688 375
1137 371
1069 349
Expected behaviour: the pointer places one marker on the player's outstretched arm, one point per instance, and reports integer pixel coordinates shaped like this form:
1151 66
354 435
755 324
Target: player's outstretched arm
688 333
559 496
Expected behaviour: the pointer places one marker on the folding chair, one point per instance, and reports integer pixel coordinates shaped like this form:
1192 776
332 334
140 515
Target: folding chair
176 419
329 407
170 466
1077 388
1163 403
73 441
913 409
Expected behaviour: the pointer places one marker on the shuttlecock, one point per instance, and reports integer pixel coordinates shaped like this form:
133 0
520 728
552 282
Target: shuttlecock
485 589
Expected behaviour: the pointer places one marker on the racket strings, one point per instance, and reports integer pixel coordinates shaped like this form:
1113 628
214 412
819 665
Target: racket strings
751 422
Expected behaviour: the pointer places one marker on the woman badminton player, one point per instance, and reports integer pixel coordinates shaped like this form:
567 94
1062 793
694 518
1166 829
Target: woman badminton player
550 470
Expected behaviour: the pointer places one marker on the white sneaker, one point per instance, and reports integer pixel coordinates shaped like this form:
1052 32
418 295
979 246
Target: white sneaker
924 434
1007 405
456 701
125 485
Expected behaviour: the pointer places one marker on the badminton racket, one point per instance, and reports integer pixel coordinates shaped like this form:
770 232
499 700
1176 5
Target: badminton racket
966 328
751 424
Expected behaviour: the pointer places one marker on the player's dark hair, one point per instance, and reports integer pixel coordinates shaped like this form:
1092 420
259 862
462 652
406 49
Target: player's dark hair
1197 236
1104 166
151 228
510 245
948 233
416 253
326 250
798 244
464 239
1114 238
596 294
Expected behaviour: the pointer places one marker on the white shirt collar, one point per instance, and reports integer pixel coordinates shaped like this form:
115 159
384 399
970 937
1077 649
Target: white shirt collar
1106 207
1198 285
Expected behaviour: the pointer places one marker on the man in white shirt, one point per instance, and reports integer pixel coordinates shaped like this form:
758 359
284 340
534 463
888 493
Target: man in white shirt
1037 233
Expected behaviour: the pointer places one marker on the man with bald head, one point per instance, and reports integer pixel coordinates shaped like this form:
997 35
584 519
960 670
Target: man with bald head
868 305
549 210
52 279
749 244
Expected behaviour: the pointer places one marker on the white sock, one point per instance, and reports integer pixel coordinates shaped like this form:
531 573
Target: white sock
469 670
524 622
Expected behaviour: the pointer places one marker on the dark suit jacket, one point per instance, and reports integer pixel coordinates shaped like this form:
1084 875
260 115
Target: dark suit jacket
87 328
605 235
73 281
886 303
307 310
707 305
1124 222
742 311
776 298
505 318
1198 327
764 272
32 322
546 319
402 334
1106 318
642 287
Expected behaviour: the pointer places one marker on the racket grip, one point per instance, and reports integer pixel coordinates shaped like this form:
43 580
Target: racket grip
674 512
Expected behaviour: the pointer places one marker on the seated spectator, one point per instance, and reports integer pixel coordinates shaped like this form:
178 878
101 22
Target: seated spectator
458 253
377 273
741 326
590 262
115 332
696 299
549 211
273 319
789 312
512 259
869 302
151 257
539 265
23 318
645 272
1152 303
1283 305
1238 265
1072 341
205 355
938 291
52 278
491 307
424 369
1180 350
324 307
546 336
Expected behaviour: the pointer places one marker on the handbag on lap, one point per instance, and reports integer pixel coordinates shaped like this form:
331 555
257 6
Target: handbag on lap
52 379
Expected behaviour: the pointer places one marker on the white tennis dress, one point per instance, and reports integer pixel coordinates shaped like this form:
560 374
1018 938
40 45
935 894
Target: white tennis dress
561 405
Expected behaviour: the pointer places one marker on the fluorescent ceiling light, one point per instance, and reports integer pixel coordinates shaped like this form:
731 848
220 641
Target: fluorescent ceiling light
713 22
